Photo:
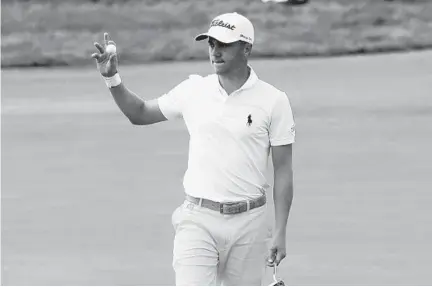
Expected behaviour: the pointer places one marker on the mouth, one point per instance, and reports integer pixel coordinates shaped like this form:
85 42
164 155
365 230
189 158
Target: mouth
218 62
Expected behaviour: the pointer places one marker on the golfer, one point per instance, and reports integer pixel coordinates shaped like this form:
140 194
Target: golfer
234 119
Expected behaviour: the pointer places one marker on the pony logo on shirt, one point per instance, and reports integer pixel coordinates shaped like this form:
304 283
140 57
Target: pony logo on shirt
249 120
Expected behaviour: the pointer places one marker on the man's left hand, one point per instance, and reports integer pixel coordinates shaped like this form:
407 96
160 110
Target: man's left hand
277 251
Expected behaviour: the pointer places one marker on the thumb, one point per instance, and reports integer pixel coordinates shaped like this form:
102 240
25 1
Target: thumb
280 256
272 256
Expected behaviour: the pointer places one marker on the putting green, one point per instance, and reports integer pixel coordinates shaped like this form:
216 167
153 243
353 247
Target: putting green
87 197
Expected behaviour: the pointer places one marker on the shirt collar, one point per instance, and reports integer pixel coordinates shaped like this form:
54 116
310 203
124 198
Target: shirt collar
253 78
250 82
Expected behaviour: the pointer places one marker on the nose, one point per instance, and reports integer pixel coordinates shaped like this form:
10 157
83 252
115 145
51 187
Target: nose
216 52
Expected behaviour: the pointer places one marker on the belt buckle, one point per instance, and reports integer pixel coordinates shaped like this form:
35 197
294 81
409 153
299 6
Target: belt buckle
230 207
226 205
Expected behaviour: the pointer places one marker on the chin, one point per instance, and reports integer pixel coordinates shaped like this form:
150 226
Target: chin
220 70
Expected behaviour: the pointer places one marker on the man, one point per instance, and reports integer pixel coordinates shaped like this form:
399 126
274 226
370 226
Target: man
234 120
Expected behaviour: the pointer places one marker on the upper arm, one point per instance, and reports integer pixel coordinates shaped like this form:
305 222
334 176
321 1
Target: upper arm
282 157
168 106
173 104
282 134
282 125
150 113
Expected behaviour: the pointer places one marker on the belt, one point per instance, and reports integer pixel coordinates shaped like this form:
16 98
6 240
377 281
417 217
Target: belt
228 207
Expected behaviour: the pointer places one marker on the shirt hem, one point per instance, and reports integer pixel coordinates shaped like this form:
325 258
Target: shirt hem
282 142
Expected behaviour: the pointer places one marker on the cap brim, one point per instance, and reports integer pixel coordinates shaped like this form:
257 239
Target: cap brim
220 38
201 37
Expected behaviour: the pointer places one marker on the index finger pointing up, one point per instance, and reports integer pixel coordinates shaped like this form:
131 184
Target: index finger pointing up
106 38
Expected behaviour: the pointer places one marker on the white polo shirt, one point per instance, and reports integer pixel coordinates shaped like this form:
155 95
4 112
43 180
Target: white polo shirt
230 136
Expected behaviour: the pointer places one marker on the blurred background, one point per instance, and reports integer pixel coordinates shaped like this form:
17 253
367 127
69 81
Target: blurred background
87 198
49 32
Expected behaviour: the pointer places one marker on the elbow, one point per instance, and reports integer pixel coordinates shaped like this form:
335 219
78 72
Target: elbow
136 118
136 122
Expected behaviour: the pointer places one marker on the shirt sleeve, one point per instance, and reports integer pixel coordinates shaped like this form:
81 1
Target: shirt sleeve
172 104
282 125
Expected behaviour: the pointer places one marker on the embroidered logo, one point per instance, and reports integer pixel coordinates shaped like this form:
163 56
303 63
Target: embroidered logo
221 23
245 37
249 120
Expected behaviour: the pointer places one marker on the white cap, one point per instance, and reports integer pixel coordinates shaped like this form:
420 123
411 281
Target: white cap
229 28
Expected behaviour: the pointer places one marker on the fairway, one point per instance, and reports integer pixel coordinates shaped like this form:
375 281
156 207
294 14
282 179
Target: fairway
87 197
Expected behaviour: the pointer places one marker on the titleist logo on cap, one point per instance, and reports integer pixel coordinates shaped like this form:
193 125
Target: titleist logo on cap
222 24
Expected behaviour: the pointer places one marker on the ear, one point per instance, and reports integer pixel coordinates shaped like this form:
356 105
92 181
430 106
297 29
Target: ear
247 49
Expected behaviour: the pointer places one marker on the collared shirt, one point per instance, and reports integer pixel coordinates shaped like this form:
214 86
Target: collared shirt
230 135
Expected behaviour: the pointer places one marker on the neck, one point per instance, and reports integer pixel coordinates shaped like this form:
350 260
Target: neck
235 79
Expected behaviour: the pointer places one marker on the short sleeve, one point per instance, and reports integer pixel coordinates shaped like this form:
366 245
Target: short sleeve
282 125
172 104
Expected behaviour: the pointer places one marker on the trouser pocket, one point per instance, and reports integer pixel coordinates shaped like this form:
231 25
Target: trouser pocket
178 214
175 216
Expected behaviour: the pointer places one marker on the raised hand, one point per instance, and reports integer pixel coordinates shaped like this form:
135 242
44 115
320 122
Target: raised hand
106 63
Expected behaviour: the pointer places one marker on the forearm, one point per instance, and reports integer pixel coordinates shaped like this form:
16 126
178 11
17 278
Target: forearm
282 196
129 103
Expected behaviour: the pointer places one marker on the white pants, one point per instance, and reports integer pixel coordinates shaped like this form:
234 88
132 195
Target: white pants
211 248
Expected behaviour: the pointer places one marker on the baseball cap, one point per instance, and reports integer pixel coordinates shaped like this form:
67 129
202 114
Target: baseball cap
229 28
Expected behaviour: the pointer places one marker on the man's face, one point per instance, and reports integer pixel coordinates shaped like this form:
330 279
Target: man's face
226 57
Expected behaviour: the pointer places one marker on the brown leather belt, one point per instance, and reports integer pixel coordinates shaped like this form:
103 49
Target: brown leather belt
228 207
